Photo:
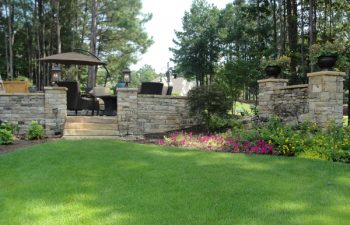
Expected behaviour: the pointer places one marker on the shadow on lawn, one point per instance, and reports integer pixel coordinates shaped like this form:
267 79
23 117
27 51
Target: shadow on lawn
124 183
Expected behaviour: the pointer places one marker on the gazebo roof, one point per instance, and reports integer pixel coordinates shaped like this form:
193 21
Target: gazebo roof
72 58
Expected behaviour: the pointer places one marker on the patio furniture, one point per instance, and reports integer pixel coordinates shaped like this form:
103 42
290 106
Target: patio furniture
110 101
74 99
110 104
151 88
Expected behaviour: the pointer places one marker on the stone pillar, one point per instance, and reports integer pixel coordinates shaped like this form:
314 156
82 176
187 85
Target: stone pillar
326 97
127 110
266 90
55 109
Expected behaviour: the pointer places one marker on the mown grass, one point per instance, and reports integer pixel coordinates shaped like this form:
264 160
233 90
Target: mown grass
110 182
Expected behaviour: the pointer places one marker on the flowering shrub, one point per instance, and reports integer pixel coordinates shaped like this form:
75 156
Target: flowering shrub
217 142
305 140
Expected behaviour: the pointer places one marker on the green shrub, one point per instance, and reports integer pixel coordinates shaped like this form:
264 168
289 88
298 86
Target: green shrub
222 123
6 137
207 101
36 131
8 126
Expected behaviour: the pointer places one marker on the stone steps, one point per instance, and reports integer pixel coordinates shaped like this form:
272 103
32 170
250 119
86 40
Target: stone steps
90 127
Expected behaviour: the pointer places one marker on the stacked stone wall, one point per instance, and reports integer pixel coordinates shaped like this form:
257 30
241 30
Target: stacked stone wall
22 108
158 113
320 101
140 114
291 102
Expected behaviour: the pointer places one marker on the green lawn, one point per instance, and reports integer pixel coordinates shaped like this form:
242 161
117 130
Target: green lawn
110 182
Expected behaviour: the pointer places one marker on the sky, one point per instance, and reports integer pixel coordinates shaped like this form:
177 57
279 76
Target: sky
167 17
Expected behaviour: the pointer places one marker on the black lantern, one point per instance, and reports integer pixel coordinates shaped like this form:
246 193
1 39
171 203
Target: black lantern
126 76
55 74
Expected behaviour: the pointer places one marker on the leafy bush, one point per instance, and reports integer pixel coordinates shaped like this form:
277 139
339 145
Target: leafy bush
282 61
208 100
326 49
6 137
8 126
36 131
222 123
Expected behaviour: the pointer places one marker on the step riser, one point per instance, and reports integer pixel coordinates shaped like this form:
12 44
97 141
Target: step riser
77 132
83 127
90 137
91 126
92 119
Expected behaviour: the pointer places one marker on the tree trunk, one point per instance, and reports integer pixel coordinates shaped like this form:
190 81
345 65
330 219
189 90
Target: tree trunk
40 34
58 26
10 38
274 29
302 39
283 27
312 26
292 37
93 42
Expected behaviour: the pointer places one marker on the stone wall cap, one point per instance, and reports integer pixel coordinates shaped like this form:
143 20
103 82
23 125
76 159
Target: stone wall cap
301 86
23 94
326 73
273 80
127 89
56 88
162 96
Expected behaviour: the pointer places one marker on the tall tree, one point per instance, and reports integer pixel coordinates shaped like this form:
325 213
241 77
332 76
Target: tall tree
9 11
93 42
292 15
197 47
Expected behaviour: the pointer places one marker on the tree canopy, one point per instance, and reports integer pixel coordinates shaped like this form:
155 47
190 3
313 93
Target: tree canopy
227 45
31 29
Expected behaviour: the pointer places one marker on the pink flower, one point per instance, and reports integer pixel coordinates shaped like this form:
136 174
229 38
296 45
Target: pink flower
183 142
161 142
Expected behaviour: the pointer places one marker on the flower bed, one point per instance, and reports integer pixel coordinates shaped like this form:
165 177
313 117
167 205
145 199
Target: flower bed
227 142
305 140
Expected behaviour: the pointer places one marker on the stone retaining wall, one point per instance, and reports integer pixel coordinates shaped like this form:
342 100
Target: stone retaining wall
22 108
137 114
291 102
320 101
147 114
157 113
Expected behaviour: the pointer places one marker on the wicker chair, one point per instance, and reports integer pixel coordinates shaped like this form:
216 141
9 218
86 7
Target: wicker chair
151 88
74 99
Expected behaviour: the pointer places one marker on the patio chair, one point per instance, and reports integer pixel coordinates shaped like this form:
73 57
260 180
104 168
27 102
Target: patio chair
74 99
151 88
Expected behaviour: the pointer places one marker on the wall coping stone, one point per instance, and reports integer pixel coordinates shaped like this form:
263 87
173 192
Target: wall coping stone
326 73
23 94
162 96
293 87
56 88
127 89
272 80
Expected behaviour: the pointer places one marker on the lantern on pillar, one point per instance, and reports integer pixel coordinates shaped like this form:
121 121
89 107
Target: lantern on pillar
126 76
55 74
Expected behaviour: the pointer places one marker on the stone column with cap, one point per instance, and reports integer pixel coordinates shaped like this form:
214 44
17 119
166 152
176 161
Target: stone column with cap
266 90
326 97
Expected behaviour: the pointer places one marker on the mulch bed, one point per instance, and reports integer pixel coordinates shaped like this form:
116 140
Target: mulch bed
19 143
149 139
